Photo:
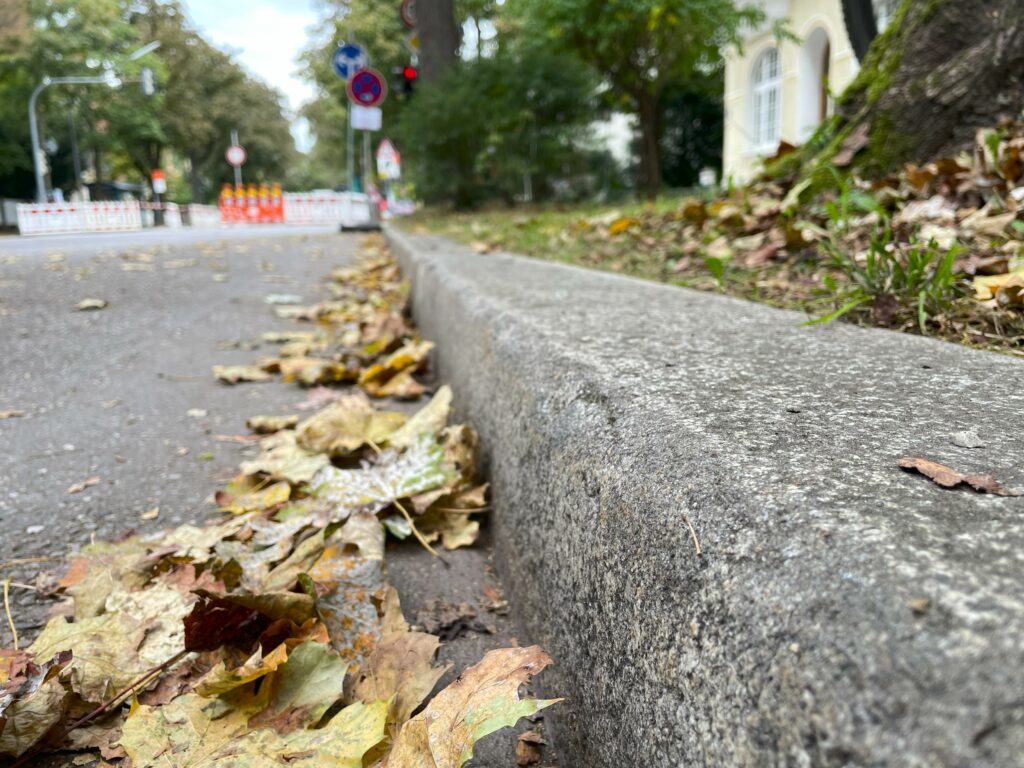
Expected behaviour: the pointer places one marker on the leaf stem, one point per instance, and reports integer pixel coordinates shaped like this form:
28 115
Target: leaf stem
416 531
7 610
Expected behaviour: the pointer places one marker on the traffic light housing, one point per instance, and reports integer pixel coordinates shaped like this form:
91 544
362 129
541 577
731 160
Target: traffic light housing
405 79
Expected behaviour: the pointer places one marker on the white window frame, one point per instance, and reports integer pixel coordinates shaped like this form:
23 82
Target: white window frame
884 11
766 101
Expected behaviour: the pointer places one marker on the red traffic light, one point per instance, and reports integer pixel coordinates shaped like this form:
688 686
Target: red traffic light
410 73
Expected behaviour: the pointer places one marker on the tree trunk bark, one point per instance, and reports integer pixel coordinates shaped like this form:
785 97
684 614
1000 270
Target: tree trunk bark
439 38
940 71
649 179
195 180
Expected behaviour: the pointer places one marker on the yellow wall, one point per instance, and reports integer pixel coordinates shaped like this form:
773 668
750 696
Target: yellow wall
741 160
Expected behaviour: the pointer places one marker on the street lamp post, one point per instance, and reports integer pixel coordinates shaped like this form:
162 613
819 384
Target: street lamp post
33 125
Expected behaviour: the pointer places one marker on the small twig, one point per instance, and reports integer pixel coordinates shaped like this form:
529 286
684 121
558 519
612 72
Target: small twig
143 679
693 534
7 610
416 532
463 511
19 585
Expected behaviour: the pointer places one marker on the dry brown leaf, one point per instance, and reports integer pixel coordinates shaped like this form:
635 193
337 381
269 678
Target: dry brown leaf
853 144
528 748
401 666
947 477
265 425
483 699
79 487
10 414
233 374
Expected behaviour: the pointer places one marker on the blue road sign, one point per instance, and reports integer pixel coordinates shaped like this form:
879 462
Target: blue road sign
348 59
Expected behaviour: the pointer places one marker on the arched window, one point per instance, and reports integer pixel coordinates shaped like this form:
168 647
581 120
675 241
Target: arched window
814 103
766 93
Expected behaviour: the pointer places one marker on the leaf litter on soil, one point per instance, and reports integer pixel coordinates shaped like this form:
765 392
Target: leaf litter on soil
869 250
272 636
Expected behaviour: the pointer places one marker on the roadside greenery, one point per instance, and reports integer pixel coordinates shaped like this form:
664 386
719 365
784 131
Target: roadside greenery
202 94
515 119
937 249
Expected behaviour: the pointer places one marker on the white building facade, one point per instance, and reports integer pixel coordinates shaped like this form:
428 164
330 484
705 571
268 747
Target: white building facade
781 90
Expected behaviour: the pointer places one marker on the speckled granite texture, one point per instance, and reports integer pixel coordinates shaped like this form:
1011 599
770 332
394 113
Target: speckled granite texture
842 612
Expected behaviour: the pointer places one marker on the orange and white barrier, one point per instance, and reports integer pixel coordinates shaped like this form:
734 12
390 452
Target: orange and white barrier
63 218
254 204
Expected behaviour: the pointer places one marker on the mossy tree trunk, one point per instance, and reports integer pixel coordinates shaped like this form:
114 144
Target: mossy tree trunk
941 70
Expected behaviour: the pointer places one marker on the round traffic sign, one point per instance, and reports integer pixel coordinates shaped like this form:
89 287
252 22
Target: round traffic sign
348 59
235 155
408 13
367 88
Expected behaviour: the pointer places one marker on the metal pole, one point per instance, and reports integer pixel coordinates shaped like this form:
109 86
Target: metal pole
367 170
75 157
238 168
350 151
33 127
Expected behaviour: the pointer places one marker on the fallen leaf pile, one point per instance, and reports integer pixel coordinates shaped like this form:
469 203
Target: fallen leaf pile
360 336
272 636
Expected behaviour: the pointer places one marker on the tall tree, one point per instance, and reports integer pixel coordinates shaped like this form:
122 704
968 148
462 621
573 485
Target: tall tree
940 71
439 38
640 47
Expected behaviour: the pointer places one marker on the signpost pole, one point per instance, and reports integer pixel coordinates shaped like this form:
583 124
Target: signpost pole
367 159
350 152
238 168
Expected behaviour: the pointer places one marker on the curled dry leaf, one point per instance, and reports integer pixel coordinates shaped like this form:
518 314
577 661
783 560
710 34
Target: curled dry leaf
233 374
11 414
528 748
79 487
31 700
948 477
266 425
87 304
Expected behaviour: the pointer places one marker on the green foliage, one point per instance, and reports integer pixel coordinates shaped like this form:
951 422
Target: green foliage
639 47
692 119
539 104
201 96
917 275
717 267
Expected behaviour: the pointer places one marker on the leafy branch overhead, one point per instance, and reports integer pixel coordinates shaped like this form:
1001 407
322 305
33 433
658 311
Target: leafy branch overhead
272 636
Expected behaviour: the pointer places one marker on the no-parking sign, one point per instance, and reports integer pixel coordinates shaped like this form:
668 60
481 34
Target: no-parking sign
367 88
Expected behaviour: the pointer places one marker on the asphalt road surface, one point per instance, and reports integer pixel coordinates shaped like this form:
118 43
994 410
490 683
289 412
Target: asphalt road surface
108 393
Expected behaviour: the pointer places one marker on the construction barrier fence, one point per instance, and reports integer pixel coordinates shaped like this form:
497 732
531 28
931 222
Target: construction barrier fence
252 204
62 218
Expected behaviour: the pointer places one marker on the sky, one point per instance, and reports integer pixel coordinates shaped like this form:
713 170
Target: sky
266 37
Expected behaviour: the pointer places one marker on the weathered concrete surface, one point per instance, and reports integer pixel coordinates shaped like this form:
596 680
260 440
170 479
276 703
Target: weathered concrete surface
842 612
